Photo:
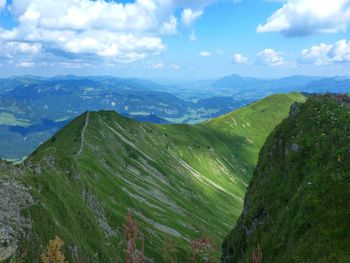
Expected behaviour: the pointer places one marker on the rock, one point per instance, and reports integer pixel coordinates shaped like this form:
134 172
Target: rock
14 198
295 147
294 109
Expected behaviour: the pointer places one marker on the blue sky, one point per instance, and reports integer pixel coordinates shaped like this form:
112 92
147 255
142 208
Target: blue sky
193 39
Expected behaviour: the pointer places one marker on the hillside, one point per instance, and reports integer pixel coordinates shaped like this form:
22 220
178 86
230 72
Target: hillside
255 121
178 181
297 205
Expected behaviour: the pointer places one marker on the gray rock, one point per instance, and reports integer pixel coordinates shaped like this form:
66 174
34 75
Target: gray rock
295 147
13 225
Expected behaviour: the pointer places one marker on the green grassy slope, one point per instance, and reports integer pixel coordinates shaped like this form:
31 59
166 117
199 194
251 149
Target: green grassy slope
255 121
297 207
177 180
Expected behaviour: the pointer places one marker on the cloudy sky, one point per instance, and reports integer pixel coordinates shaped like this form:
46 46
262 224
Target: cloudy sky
192 39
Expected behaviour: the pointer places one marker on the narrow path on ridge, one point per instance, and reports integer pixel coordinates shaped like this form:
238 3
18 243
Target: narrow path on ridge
83 136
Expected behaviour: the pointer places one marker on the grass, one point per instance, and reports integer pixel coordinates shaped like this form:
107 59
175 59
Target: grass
297 205
179 181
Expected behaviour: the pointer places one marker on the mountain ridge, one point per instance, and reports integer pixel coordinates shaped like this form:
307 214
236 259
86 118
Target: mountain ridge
297 205
175 179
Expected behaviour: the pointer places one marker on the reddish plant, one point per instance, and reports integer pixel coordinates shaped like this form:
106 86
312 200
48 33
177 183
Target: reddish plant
169 252
257 255
132 254
203 250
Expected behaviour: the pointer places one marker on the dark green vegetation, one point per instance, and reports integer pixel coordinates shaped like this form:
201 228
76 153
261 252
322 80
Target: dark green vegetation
297 208
179 181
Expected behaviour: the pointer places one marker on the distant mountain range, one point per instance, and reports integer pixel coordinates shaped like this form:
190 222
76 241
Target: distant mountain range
33 108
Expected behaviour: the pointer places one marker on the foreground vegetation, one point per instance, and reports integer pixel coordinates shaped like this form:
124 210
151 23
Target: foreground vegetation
297 208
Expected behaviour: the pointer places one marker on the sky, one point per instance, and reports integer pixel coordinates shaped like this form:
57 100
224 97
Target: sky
175 39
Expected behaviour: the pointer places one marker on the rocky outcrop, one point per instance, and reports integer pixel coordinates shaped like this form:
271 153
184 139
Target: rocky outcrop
13 225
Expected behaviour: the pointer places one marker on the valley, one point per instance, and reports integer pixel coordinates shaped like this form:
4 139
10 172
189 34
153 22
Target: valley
33 108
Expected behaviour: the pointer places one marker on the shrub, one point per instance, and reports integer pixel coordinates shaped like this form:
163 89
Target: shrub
53 253
132 254
257 255
203 250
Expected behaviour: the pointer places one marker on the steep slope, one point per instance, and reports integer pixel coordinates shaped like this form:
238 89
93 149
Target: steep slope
297 208
177 180
255 121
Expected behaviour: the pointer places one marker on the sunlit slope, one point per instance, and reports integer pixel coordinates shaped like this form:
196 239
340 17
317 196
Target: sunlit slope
255 121
177 180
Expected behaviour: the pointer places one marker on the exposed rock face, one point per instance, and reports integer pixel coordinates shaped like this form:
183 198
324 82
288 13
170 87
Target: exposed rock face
294 109
13 225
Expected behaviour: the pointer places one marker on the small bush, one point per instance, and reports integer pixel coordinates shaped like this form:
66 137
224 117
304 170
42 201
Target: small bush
132 254
53 253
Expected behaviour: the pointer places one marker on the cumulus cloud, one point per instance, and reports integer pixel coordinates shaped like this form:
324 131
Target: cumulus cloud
239 59
317 55
169 27
188 16
205 54
270 57
325 54
340 52
95 30
304 17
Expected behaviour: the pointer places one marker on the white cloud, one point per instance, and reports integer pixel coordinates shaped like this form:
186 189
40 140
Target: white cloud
270 57
169 27
340 52
205 54
13 48
304 17
325 54
2 4
188 16
95 30
317 55
239 59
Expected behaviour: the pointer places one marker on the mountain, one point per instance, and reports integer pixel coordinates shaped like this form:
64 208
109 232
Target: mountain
252 88
28 101
297 207
178 181
255 121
